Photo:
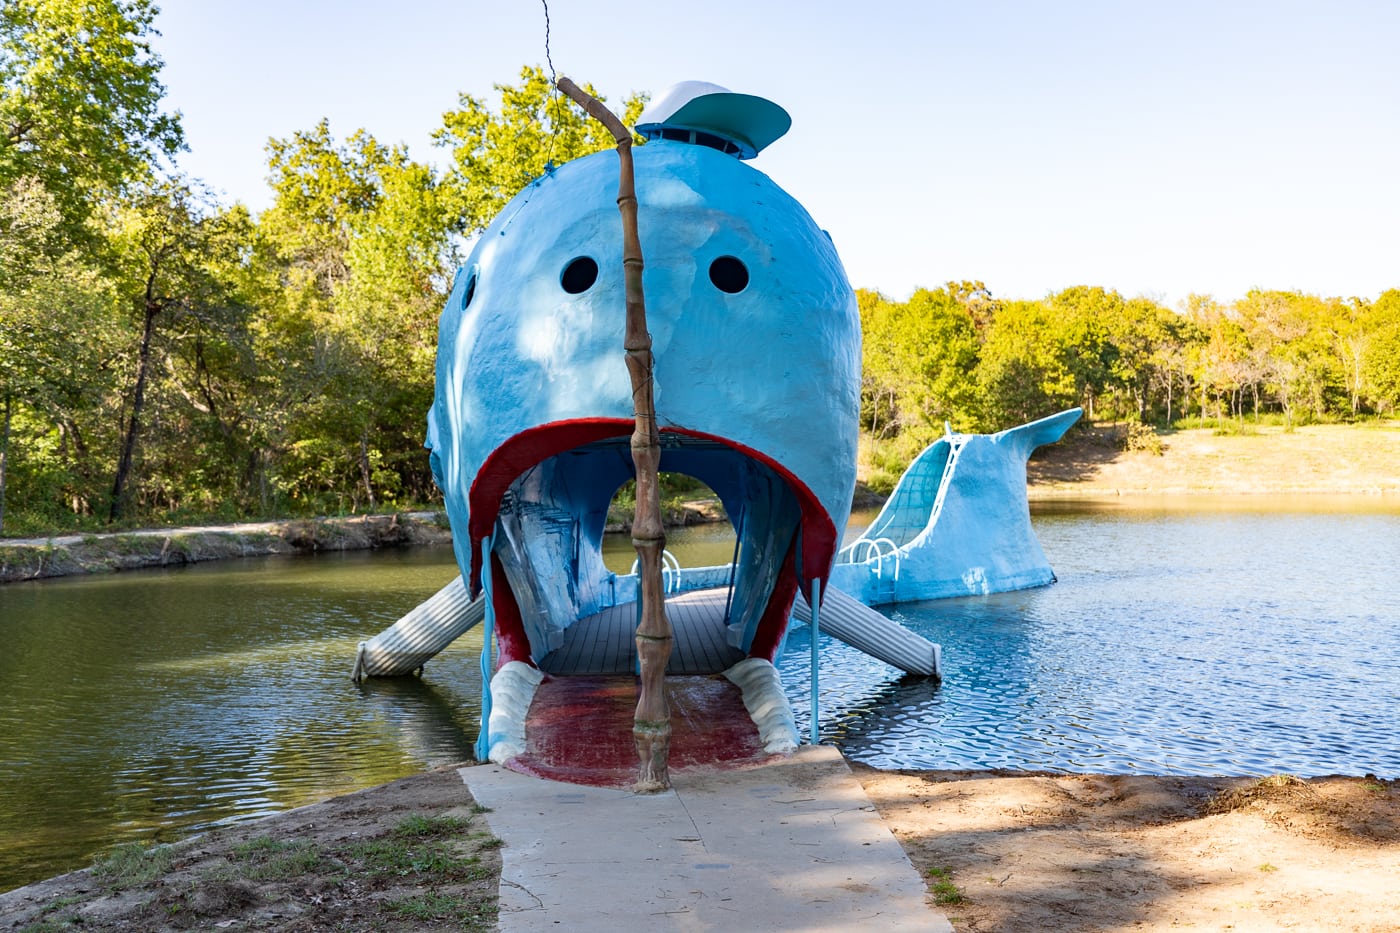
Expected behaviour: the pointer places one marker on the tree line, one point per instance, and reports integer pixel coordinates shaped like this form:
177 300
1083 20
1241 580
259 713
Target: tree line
957 356
165 357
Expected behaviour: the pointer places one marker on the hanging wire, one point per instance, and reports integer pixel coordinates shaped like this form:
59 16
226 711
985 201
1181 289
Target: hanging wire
553 96
553 78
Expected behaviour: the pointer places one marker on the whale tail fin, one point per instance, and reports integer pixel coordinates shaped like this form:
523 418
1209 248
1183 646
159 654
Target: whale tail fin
1048 430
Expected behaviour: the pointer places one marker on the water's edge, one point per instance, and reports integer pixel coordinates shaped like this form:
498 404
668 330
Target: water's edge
143 706
65 555
40 558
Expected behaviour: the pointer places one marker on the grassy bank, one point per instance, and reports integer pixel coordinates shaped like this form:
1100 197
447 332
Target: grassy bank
409 855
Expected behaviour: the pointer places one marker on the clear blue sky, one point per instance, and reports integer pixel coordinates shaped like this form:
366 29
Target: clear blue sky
1153 148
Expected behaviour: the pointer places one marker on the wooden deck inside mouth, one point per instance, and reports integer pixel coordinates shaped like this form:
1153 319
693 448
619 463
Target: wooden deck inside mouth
603 643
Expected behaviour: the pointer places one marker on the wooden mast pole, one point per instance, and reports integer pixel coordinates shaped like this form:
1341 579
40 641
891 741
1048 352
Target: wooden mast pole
651 724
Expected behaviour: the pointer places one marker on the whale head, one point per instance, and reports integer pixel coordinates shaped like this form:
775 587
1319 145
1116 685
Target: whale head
756 344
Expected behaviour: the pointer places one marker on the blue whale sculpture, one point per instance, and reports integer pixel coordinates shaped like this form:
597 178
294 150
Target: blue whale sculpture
958 523
756 339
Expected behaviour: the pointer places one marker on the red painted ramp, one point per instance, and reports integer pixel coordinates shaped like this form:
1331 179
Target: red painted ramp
579 729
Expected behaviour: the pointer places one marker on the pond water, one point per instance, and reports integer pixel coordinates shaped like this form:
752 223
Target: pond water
1235 637
149 705
1242 640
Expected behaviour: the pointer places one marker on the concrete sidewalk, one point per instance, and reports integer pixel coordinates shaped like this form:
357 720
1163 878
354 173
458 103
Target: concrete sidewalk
794 845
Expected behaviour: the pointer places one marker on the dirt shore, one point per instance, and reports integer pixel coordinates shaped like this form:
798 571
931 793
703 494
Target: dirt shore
1323 459
1040 853
1000 851
36 558
1089 463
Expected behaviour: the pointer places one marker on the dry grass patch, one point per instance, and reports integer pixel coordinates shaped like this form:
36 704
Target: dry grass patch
411 855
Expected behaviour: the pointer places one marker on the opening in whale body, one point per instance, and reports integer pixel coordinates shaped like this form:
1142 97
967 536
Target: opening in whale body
544 498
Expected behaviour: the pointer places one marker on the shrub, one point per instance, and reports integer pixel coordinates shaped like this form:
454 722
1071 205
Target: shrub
1141 437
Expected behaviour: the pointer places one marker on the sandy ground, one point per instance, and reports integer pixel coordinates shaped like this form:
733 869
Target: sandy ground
1001 851
1313 459
1091 852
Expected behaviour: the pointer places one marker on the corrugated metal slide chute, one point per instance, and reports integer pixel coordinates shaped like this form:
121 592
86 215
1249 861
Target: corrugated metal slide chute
444 617
849 620
409 643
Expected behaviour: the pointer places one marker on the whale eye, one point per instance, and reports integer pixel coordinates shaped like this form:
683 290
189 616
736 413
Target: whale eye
729 274
469 292
579 275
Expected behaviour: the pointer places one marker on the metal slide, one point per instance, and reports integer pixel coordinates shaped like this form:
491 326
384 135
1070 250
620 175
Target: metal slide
849 620
409 643
405 646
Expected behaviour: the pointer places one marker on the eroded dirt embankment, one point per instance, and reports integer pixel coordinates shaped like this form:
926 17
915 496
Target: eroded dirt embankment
1326 459
36 558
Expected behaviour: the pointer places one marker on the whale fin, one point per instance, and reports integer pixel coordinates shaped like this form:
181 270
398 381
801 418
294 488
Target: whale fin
1027 437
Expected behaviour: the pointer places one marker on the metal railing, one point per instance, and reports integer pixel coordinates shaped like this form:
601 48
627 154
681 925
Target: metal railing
862 550
670 571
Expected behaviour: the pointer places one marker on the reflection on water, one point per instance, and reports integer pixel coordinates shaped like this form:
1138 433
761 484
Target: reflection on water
1221 639
150 705
707 545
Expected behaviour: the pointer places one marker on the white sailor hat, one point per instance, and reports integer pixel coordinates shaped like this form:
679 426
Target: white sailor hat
710 115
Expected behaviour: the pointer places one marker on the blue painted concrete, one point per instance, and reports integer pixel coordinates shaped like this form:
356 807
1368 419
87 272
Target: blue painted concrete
757 390
757 382
958 523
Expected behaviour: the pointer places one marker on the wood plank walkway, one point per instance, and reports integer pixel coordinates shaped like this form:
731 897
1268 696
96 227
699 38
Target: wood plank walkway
603 643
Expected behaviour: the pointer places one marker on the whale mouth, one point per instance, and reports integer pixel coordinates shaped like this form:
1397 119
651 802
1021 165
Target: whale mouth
543 497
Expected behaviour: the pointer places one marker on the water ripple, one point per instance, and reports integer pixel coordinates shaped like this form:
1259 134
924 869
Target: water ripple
1173 643
151 705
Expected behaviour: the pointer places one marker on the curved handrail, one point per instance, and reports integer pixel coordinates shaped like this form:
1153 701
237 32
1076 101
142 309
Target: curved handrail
879 548
670 571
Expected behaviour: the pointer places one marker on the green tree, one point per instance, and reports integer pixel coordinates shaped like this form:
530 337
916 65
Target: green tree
31 241
400 263
879 393
978 300
496 154
1142 333
1381 369
1351 336
358 247
1022 370
1170 361
80 121
936 338
55 346
170 242
80 100
1220 363
1083 334
320 188
919 360
59 341
1288 333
